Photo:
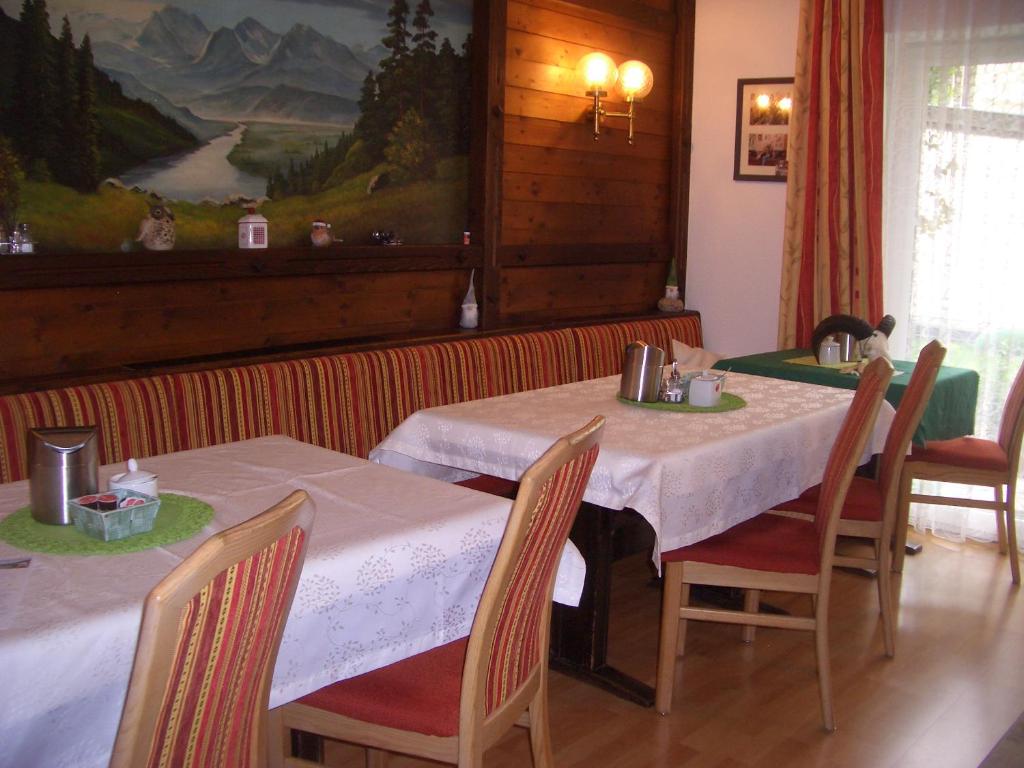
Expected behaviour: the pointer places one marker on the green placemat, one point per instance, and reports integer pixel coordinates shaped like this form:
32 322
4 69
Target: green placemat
812 360
848 367
728 402
180 517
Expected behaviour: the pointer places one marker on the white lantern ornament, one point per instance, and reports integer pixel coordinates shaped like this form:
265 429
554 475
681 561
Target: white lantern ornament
253 231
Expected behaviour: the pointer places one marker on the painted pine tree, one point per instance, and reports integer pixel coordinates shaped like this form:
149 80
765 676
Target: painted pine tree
33 114
65 166
87 150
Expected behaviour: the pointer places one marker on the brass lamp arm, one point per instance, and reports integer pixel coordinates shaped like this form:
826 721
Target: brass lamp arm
598 112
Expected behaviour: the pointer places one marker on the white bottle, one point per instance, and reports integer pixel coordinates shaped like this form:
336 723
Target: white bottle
26 245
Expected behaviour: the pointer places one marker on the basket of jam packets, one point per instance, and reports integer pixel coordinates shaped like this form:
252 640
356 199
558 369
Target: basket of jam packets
114 515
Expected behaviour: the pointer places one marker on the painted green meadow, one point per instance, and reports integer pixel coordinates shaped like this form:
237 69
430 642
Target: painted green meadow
431 211
267 147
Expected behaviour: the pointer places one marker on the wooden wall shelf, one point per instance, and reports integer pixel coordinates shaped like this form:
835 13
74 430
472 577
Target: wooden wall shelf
63 270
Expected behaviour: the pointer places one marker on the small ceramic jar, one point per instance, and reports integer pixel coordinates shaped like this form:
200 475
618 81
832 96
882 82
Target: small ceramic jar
135 479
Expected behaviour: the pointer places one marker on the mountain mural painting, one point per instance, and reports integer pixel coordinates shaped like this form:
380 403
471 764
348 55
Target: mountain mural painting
353 113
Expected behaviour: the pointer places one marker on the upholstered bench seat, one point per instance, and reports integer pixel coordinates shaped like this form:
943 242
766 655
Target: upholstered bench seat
347 402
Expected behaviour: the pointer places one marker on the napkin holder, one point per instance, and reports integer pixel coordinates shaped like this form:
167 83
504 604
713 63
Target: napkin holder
641 372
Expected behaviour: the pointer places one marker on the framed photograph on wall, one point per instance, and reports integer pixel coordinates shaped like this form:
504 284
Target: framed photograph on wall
763 107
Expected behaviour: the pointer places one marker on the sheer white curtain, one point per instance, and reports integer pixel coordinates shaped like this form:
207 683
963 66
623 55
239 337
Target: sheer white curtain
954 202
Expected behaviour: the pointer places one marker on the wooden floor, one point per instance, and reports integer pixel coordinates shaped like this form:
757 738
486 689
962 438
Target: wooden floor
955 686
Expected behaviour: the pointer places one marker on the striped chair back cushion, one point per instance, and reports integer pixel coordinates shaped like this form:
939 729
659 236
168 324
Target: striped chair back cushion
845 453
213 700
1011 425
908 416
515 647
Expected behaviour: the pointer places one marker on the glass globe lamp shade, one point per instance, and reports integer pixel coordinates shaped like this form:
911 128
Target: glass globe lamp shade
635 80
597 71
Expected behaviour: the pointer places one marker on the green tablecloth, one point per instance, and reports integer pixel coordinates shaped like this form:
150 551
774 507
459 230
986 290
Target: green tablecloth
950 412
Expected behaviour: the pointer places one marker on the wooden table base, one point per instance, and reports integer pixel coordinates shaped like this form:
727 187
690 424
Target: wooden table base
579 636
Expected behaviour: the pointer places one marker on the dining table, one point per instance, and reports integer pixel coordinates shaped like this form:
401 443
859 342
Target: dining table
685 473
395 565
950 409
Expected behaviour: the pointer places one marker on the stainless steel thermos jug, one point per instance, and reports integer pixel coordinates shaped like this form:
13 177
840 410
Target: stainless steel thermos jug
63 464
641 372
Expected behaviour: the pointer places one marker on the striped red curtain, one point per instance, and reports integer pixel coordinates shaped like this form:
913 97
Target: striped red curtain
832 252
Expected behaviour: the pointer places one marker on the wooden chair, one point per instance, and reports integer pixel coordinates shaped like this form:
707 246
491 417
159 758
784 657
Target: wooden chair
972 461
200 687
772 552
870 509
451 703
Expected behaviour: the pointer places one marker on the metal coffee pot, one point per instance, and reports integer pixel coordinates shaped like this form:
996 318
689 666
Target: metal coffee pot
641 372
63 464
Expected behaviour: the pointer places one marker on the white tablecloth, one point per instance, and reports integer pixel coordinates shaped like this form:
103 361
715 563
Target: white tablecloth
395 566
690 475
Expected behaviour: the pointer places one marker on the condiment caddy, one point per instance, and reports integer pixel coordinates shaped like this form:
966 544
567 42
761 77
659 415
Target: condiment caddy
114 515
700 389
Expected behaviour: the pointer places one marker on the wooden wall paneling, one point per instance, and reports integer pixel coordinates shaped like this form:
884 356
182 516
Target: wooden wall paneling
532 45
584 21
488 145
592 191
568 198
682 118
88 329
661 5
538 159
538 293
589 253
120 269
545 107
534 222
561 80
534 132
572 109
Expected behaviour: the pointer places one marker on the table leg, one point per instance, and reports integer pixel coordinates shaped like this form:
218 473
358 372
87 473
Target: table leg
579 636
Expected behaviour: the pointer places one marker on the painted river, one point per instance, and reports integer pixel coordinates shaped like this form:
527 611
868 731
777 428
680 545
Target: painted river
199 174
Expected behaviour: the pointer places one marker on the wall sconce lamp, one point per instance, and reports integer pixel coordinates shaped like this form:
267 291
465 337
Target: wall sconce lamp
599 73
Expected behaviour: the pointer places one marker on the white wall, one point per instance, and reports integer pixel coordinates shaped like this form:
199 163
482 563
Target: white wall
734 252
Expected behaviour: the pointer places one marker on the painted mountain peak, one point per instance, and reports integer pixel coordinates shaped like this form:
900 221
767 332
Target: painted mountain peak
173 35
256 39
223 59
177 56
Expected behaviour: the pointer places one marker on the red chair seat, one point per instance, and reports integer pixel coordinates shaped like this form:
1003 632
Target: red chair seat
418 694
863 501
969 452
764 543
498 486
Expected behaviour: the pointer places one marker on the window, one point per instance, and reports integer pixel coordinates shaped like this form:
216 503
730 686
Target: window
954 217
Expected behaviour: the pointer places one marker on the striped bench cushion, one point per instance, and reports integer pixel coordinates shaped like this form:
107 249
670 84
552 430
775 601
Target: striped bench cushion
347 402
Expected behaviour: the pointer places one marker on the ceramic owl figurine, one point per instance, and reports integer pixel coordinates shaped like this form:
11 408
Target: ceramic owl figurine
156 231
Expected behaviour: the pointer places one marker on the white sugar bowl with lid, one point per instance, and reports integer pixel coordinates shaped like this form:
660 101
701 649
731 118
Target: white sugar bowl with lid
706 389
135 479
